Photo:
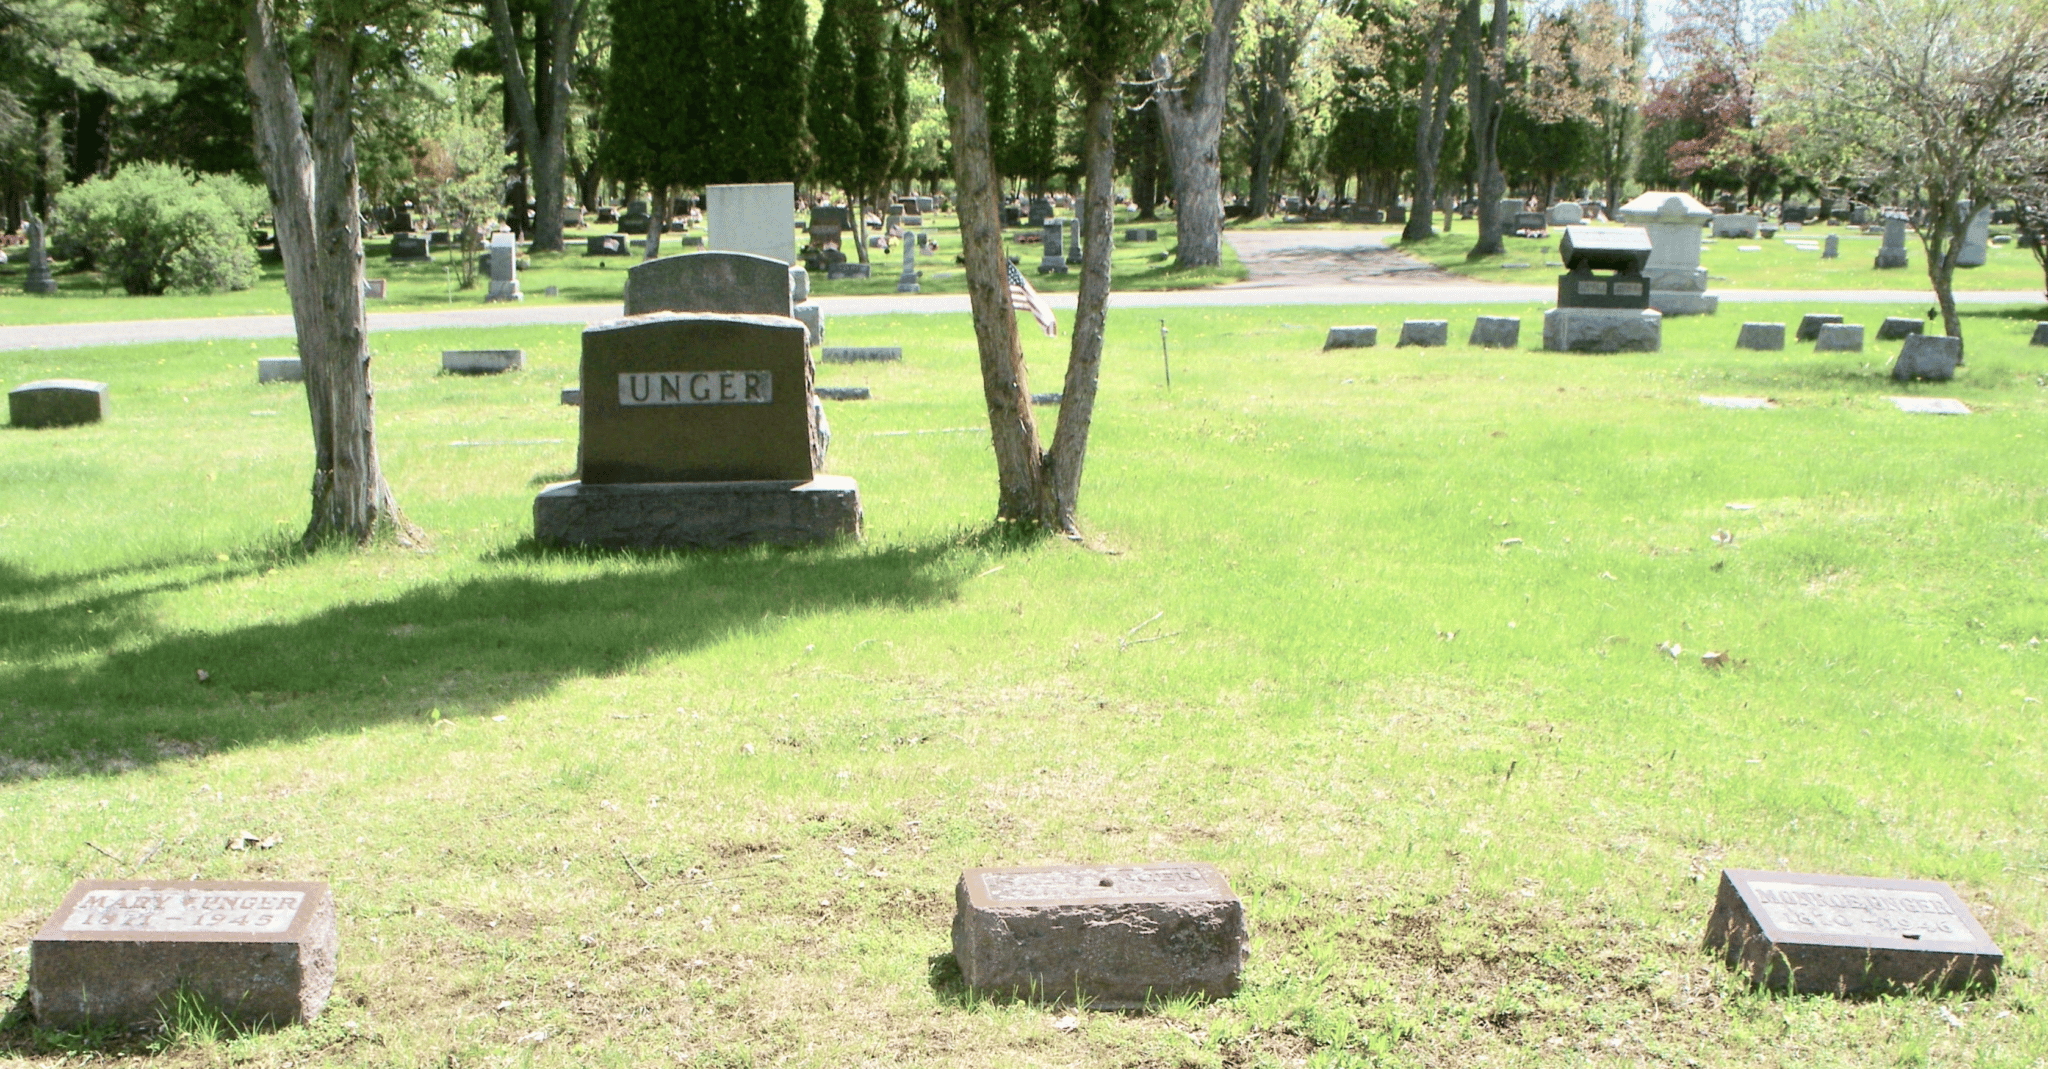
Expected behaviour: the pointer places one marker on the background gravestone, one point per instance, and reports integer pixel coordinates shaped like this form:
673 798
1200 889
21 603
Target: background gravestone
1892 254
1599 312
1425 333
1896 327
39 278
1975 247
1831 249
1678 284
1811 322
1352 337
406 248
1929 357
1821 934
263 952
1114 936
1566 213
1736 226
751 218
57 403
504 269
735 282
1496 332
1053 259
1839 338
280 369
1767 337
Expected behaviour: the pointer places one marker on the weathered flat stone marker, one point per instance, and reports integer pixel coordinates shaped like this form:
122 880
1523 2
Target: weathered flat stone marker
1811 322
57 403
1425 333
1357 337
482 361
1737 402
1114 936
280 369
1767 337
1816 934
1931 406
1932 357
262 952
842 393
2040 335
1895 327
572 395
1497 332
862 354
1839 338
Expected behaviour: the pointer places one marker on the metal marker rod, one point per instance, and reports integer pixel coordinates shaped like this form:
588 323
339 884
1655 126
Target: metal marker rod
1165 359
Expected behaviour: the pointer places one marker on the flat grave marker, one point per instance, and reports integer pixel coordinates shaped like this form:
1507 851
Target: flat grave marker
1737 402
482 361
264 952
1930 406
1824 934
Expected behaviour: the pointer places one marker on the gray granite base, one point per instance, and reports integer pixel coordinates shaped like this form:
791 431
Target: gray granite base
1896 327
1496 332
1839 338
1684 302
1811 322
1929 357
1361 337
1767 337
280 369
1603 330
1425 333
704 515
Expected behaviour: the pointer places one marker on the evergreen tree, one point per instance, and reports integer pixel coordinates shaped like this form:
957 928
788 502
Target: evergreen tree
769 77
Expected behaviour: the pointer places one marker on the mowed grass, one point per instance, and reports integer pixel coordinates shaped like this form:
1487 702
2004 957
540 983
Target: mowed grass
84 296
1774 264
1375 631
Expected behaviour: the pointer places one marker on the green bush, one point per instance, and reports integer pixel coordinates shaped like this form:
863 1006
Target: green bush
155 227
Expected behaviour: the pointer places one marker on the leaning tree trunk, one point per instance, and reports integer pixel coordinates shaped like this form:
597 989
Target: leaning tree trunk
1062 475
1486 95
1194 134
312 183
1432 117
1012 430
545 147
657 221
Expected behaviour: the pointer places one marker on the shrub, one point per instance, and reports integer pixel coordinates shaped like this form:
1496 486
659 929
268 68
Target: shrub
155 227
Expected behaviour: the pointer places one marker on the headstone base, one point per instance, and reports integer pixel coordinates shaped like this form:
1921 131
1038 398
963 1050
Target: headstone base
1888 259
1603 330
504 291
1425 333
1684 302
1496 332
709 515
1361 337
39 282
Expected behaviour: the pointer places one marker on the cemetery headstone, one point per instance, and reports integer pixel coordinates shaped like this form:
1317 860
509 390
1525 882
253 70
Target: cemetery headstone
1053 261
1506 210
57 403
1496 332
1975 248
635 219
1424 333
1603 298
1012 217
39 278
1735 226
813 319
1831 249
1931 406
1892 253
407 248
1141 235
1531 222
1074 242
1041 210
1822 934
482 361
1355 337
1811 322
843 393
698 429
847 269
1895 327
2040 336
1859 216
280 369
1112 936
1397 215
116 950
864 354
1767 337
1678 284
604 245
572 215
401 221
1566 213
375 288
572 395
1928 356
504 269
725 282
907 281
1839 338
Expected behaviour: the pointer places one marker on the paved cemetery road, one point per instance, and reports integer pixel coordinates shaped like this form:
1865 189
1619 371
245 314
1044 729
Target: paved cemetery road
1279 258
74 335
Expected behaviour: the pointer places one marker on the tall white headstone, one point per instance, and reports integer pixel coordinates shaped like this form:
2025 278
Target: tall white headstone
1976 238
504 269
751 218
1678 284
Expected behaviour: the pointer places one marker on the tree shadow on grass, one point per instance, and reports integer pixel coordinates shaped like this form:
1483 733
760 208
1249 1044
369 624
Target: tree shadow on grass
464 647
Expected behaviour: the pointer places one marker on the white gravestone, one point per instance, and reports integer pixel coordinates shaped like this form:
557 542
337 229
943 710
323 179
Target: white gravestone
1678 284
751 218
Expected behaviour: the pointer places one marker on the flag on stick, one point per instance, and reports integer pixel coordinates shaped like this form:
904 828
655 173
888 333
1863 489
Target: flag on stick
1025 299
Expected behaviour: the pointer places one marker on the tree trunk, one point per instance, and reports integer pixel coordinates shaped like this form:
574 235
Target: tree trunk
1012 430
1432 115
544 142
1091 311
1194 133
857 210
1941 240
1145 161
1486 95
657 220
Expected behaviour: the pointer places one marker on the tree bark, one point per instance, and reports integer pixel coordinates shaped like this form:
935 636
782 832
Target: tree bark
1193 119
657 221
1439 75
545 142
312 179
1062 475
1941 240
1486 93
1012 430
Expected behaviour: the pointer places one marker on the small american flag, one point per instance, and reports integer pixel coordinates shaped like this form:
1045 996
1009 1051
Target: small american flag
1025 299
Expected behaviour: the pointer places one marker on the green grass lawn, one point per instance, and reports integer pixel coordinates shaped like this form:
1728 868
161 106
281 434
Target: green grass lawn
1376 631
1776 265
83 296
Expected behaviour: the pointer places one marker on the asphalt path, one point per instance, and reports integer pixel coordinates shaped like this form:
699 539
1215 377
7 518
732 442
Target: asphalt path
1286 268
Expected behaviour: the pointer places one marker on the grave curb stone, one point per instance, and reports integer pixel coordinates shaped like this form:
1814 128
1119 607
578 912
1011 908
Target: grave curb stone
1755 941
697 514
57 403
1112 936
1811 322
119 977
482 361
1496 332
1357 337
1930 357
1424 333
280 369
1839 338
1895 327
